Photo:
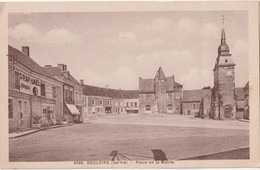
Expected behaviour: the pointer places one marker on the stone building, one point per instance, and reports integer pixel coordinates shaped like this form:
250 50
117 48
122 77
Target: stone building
223 94
191 101
35 97
239 97
224 101
160 95
246 101
73 92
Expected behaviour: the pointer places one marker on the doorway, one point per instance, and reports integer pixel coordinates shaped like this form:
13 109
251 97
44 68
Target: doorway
227 112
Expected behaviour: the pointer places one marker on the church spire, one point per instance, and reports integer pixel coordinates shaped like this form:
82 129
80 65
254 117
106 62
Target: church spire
223 49
223 37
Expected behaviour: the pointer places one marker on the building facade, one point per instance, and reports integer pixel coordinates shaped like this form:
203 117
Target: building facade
191 101
224 103
72 92
131 105
35 97
246 101
109 101
160 95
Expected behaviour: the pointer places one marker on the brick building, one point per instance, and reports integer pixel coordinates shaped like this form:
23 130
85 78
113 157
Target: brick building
160 95
72 92
35 96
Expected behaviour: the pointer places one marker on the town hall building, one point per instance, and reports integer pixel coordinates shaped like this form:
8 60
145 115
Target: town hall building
160 95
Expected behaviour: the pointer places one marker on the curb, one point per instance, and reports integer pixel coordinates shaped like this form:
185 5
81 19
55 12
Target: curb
38 130
243 120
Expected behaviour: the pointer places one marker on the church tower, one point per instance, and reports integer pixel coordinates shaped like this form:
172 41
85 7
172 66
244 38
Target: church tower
224 104
160 91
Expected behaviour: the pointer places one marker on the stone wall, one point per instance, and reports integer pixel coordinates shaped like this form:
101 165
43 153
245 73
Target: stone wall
146 99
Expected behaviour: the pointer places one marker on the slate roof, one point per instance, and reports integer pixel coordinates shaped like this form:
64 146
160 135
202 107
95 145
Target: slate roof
160 75
246 86
111 93
28 62
147 85
55 71
194 95
239 92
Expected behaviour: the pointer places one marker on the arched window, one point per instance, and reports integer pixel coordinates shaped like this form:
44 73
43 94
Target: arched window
169 108
147 108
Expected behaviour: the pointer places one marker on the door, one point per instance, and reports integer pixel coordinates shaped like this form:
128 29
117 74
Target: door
20 114
227 112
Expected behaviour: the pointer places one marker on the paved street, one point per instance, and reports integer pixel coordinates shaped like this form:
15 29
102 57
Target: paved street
178 137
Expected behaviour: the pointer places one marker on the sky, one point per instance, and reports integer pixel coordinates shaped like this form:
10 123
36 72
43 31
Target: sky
116 48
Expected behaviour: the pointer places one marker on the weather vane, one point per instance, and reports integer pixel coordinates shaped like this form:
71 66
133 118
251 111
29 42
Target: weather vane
223 20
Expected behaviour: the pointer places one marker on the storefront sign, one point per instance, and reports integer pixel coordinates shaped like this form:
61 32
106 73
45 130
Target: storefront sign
29 84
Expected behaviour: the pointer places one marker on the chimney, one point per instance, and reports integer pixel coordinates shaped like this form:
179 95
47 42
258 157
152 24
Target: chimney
62 67
140 78
26 50
106 87
48 66
81 82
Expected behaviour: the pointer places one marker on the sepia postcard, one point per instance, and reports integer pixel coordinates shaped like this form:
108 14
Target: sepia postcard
162 84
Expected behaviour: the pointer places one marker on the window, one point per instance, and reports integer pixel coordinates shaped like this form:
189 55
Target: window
93 102
108 103
43 89
25 107
54 94
121 109
148 108
193 106
71 95
10 108
169 107
135 103
16 81
116 103
20 110
101 102
226 60
77 97
131 104
170 95
121 103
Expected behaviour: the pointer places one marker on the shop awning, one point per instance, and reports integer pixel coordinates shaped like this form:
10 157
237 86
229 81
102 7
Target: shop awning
73 109
132 108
